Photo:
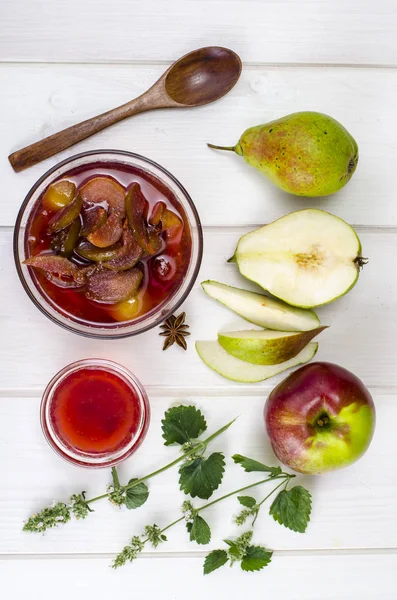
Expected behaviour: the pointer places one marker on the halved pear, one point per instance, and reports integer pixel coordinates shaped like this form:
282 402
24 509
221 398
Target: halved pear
235 369
260 309
307 258
266 347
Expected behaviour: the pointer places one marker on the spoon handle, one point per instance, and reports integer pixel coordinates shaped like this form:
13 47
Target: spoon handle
35 153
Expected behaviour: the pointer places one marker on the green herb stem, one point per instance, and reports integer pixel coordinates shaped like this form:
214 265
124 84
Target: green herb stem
115 477
283 476
218 432
276 488
199 446
195 449
167 527
91 500
284 482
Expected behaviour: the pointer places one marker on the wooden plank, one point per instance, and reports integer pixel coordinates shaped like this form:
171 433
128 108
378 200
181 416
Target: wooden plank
40 100
270 31
352 508
361 577
361 337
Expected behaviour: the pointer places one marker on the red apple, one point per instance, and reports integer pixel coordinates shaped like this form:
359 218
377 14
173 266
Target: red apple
320 418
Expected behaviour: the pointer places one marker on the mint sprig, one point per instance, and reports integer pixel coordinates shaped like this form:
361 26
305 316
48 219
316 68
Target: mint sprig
182 425
290 508
251 558
199 476
255 558
253 507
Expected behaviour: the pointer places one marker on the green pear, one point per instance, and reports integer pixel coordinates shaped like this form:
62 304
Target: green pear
307 258
266 347
305 153
230 367
260 309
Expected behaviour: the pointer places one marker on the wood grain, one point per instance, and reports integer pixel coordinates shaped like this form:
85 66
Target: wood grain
270 31
352 508
225 189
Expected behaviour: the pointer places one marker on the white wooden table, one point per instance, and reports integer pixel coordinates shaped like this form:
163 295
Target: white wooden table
63 61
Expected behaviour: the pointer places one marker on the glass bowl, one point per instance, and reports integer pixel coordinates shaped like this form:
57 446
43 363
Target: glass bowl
65 418
117 329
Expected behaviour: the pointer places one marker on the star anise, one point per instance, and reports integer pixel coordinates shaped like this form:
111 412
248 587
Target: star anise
175 331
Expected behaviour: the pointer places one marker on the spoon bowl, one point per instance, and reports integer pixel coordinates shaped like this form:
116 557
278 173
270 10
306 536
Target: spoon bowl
202 76
198 78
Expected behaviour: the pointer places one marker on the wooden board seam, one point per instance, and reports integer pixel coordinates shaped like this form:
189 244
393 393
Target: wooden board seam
157 62
195 554
170 392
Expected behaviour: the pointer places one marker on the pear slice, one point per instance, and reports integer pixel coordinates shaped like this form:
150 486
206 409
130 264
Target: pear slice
260 309
307 258
266 347
235 369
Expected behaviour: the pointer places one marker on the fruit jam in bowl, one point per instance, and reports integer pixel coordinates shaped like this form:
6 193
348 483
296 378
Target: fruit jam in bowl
95 413
108 244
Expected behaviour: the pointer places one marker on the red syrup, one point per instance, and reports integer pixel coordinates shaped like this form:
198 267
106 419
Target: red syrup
163 273
95 413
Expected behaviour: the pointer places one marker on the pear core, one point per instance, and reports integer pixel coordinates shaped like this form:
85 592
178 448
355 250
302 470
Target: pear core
306 258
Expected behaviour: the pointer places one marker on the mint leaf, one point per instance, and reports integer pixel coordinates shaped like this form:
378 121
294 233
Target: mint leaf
250 465
182 424
199 530
255 558
292 508
136 496
234 550
214 560
202 476
247 501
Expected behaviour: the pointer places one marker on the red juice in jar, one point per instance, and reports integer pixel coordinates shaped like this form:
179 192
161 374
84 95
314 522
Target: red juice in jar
95 413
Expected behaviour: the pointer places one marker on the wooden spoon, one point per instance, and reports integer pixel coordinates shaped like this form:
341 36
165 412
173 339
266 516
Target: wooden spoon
197 78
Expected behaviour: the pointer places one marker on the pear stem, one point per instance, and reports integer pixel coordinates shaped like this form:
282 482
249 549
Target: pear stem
229 148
